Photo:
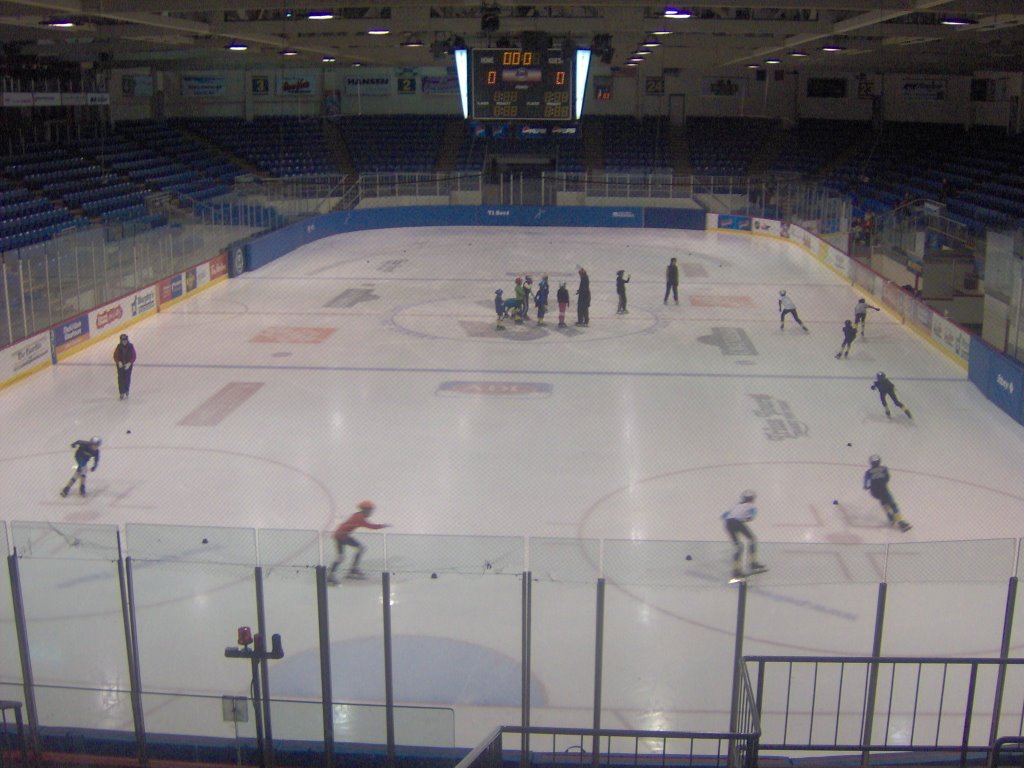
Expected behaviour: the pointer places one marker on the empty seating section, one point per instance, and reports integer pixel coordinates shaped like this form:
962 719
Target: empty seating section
105 176
724 146
813 145
394 143
27 215
639 146
975 173
278 146
108 172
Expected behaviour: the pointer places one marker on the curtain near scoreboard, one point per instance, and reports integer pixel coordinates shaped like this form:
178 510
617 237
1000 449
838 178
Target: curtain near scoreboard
515 84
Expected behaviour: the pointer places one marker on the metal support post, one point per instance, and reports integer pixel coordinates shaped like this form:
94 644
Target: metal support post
389 692
598 658
326 692
876 651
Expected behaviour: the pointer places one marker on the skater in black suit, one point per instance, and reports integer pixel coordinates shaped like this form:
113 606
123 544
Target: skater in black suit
887 389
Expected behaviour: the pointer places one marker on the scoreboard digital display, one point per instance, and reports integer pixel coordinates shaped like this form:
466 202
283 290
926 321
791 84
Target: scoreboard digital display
513 84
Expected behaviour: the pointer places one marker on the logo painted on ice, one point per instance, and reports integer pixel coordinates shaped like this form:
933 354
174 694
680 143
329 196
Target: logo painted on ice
1007 385
495 388
732 342
780 423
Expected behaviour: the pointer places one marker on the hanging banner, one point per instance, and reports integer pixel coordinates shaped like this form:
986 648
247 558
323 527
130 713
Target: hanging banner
369 85
924 89
297 84
202 86
137 86
259 85
727 87
444 85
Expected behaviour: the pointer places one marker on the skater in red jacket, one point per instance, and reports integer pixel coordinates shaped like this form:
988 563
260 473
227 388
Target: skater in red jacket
343 536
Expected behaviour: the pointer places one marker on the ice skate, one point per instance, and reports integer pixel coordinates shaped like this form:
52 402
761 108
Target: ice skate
838 355
782 326
65 491
355 574
757 568
888 413
333 580
903 525
81 491
907 411
806 329
737 576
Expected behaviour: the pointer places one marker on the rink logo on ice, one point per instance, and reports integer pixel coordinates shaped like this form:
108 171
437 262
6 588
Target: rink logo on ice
495 388
350 297
292 335
780 423
733 342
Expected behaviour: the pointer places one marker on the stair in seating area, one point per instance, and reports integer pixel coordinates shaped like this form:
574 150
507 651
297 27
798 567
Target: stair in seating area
766 154
451 145
679 151
338 149
593 145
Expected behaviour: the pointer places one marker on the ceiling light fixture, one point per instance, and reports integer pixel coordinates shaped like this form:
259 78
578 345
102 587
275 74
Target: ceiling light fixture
378 31
651 43
773 61
320 16
832 48
753 66
661 32
676 13
957 21
60 23
234 45
412 42
289 52
328 59
798 54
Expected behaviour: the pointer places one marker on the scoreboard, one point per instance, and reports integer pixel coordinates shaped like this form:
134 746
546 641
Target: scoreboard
513 84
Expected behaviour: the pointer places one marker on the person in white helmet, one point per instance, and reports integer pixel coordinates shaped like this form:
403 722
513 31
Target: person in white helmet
787 307
736 519
343 537
860 313
85 450
876 480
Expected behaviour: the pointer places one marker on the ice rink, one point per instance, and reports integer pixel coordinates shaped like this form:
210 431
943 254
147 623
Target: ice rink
368 365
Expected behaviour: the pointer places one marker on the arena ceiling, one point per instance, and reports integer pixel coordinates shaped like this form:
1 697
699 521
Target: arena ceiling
717 37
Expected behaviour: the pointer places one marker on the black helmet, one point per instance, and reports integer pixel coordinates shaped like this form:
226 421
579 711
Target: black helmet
124 337
874 460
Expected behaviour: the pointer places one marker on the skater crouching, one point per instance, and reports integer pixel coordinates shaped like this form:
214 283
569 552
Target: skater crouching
736 519
886 389
876 480
849 334
85 450
343 537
